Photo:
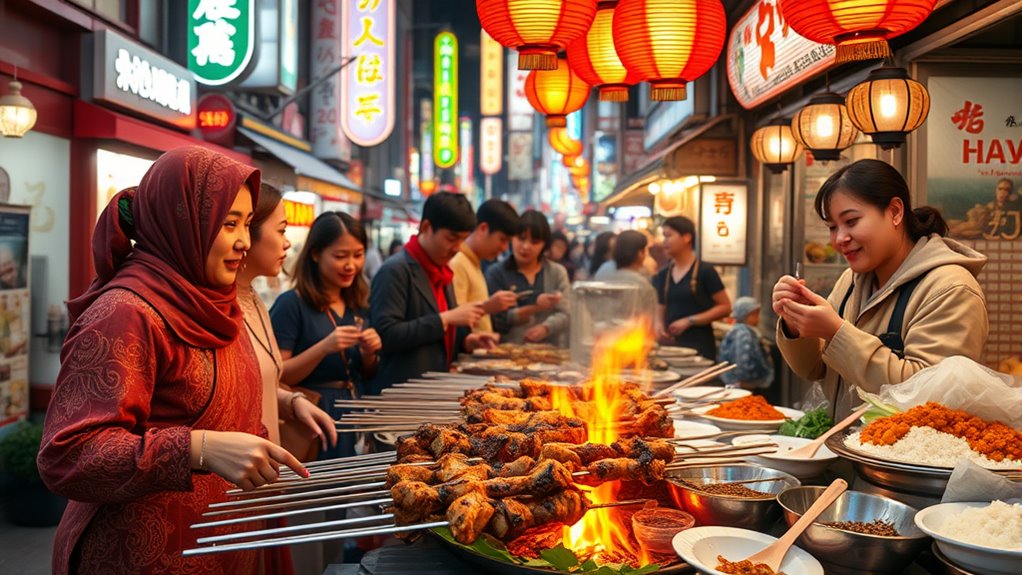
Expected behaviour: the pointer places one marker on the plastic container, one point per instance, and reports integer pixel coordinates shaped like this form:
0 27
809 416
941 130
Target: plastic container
656 527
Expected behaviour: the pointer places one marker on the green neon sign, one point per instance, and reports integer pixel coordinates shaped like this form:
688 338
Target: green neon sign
221 39
445 100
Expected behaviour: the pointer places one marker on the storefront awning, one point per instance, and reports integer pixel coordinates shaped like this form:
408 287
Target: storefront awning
631 190
305 164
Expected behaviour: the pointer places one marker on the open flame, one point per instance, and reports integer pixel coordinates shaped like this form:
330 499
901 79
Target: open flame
599 532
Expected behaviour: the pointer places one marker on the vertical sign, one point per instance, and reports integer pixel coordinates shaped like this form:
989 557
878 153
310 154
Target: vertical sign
221 39
328 140
467 162
289 44
427 181
723 223
368 83
15 319
445 100
519 110
519 156
492 73
491 150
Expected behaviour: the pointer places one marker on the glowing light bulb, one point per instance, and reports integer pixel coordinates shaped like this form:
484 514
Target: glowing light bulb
888 105
824 126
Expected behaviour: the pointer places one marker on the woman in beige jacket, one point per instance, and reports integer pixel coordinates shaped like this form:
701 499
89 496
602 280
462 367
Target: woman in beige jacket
849 340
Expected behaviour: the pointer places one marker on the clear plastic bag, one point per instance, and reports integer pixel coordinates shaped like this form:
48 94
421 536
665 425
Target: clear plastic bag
961 383
813 399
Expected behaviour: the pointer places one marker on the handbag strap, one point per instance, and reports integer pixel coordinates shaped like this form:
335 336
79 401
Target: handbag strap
344 360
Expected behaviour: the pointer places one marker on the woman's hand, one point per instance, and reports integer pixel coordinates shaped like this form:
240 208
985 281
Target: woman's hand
317 420
815 319
679 326
243 459
547 301
481 340
341 338
788 289
369 342
537 333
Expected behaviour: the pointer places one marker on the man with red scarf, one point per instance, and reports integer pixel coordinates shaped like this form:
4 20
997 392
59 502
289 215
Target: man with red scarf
412 303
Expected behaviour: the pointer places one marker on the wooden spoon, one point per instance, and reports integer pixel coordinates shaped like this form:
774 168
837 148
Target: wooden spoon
773 555
809 450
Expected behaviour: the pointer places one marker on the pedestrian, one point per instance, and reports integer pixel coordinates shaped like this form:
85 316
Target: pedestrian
496 223
743 347
559 253
603 246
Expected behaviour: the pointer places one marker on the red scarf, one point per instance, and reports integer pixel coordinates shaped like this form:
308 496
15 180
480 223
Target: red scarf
439 278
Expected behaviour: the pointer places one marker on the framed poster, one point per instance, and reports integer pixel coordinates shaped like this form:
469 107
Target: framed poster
723 222
15 317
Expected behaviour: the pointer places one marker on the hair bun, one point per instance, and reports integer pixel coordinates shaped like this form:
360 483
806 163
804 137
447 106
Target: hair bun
929 221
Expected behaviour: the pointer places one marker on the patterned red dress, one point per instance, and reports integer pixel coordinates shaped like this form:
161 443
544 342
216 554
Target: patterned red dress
120 450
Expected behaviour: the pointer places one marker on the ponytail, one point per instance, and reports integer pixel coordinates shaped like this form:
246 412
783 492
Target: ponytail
925 221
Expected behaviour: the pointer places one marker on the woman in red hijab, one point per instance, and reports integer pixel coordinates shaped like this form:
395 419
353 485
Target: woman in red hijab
151 417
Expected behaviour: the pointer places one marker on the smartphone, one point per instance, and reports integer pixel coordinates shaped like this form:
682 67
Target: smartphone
523 294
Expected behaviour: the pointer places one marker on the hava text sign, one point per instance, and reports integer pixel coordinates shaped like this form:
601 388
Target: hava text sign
723 223
299 214
765 56
492 73
368 83
445 100
491 139
221 39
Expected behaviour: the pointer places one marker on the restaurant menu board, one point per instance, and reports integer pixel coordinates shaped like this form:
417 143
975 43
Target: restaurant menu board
974 156
15 320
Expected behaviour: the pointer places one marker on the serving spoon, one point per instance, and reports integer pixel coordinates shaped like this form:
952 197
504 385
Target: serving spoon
808 450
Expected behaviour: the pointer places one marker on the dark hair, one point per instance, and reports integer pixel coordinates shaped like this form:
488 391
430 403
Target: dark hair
536 224
499 216
877 183
628 248
682 226
601 251
449 211
327 229
560 237
269 197
395 246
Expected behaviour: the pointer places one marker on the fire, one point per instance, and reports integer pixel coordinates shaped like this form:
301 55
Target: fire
599 532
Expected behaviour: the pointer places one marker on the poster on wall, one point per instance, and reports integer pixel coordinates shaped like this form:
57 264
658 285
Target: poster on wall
15 319
974 155
723 223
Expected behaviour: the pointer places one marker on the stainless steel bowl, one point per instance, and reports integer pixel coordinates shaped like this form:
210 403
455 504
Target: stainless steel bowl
726 510
848 552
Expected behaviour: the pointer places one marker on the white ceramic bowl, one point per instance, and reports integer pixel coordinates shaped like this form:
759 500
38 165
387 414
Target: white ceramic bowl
684 428
700 546
688 362
694 393
665 351
739 424
978 558
799 467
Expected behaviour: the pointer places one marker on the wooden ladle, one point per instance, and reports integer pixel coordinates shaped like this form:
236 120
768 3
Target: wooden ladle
773 555
808 450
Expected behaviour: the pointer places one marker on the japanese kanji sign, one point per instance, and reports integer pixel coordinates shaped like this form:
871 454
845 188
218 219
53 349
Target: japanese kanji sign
974 155
221 38
491 145
765 56
368 83
445 100
492 75
519 110
328 139
723 223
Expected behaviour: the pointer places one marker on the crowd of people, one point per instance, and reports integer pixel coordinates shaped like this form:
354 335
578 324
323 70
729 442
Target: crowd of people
156 412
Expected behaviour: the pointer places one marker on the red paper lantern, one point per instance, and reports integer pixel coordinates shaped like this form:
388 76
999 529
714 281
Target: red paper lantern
563 143
556 93
537 29
594 58
859 28
669 42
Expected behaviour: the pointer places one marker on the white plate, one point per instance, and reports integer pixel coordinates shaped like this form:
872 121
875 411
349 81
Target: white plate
739 424
650 375
694 393
684 428
700 546
388 438
799 467
666 351
690 361
978 558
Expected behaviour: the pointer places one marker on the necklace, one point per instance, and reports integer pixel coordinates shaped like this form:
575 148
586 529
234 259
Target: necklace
268 344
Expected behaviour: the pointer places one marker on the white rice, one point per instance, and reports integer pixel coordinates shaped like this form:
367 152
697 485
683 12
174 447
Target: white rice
927 446
999 525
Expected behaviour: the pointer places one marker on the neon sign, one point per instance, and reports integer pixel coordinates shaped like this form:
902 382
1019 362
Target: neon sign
367 84
445 100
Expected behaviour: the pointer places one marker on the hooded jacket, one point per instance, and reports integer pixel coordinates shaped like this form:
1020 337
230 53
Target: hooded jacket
946 315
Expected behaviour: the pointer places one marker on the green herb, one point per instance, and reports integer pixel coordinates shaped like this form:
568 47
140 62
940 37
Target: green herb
813 424
560 557
879 409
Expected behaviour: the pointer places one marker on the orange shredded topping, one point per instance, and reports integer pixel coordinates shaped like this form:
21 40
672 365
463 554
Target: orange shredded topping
995 440
752 407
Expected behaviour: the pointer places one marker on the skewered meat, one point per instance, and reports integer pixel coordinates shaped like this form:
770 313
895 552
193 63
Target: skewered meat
563 453
547 477
653 422
496 445
639 448
449 441
468 516
590 452
413 500
404 472
559 434
520 466
623 469
498 401
409 446
513 516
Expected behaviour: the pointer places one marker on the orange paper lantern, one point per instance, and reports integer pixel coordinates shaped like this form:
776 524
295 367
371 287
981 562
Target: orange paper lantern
537 29
556 93
858 28
569 161
669 42
579 168
562 143
595 60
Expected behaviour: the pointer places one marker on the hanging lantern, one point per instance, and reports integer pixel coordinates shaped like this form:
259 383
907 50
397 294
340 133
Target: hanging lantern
569 161
579 168
669 42
888 105
537 29
775 146
562 143
858 28
556 93
594 58
823 127
17 114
